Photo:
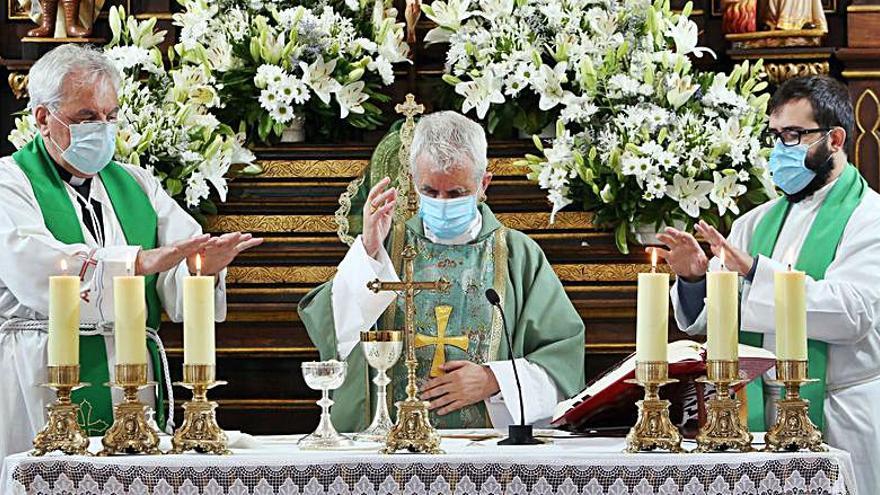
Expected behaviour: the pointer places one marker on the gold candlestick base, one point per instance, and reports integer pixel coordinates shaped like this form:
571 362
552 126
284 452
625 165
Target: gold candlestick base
62 431
413 430
723 429
654 429
200 431
130 433
793 429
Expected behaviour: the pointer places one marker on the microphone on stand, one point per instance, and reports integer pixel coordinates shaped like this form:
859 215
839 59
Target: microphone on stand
520 434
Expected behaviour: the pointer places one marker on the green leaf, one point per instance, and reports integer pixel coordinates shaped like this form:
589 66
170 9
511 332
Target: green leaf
620 234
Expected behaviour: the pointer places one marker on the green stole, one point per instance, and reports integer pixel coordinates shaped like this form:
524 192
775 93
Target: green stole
818 251
139 224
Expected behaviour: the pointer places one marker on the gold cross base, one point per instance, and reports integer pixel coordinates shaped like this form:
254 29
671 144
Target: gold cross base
723 429
413 431
130 433
200 431
793 429
62 432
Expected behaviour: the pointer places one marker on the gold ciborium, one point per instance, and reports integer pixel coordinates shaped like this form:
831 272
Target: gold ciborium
654 429
793 429
382 350
62 431
200 431
130 433
723 429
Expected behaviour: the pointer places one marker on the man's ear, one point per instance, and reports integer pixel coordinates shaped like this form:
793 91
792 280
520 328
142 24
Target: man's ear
484 184
41 115
837 139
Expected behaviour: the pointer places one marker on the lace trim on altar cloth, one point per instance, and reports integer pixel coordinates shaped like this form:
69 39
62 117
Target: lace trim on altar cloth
783 476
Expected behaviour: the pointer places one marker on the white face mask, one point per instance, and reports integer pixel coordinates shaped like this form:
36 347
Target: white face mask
91 147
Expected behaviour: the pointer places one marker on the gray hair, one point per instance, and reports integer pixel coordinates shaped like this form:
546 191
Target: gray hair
47 79
450 141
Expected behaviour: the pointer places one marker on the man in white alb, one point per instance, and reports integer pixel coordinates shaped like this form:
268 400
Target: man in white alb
827 225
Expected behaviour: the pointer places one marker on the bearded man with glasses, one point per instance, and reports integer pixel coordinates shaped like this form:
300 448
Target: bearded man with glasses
65 202
825 223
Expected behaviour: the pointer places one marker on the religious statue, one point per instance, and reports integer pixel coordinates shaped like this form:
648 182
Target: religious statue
739 16
789 15
412 13
76 21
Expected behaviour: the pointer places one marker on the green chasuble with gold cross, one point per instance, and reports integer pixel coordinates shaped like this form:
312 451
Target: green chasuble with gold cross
139 224
544 326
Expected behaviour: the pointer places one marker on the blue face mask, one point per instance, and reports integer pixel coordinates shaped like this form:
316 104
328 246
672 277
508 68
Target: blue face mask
447 218
788 166
92 145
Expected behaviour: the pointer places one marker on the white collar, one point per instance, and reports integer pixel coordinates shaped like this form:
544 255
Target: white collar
467 236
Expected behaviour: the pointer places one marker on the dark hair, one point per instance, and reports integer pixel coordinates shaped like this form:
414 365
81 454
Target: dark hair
829 98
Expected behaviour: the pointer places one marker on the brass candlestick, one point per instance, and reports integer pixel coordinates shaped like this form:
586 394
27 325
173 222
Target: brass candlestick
413 430
793 429
723 429
654 429
130 433
62 431
200 431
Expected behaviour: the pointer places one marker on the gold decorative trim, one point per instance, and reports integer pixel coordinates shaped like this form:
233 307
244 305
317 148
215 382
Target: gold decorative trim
777 73
162 16
781 56
327 223
861 74
868 93
14 12
61 41
346 169
320 274
863 8
18 83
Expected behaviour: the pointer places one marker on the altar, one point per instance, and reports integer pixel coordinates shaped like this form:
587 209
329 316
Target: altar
473 463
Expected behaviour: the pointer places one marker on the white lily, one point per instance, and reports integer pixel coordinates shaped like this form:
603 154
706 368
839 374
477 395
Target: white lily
686 36
725 191
690 194
319 77
480 93
549 83
350 98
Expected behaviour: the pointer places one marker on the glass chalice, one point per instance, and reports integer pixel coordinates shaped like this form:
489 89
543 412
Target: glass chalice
382 350
324 376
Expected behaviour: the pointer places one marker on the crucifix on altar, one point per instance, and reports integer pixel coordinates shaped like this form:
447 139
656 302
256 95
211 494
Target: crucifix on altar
413 429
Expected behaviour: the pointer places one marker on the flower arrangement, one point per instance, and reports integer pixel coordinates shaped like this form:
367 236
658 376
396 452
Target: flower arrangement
166 122
642 139
278 60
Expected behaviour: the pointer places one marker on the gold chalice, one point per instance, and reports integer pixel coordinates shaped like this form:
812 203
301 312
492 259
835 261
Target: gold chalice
382 350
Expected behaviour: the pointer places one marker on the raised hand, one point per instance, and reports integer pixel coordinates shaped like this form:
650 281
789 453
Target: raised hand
464 383
167 257
734 258
220 251
683 254
378 216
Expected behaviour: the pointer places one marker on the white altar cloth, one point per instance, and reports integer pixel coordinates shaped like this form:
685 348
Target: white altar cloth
273 465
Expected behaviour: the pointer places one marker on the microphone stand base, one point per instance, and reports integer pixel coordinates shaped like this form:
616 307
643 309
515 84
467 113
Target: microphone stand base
520 435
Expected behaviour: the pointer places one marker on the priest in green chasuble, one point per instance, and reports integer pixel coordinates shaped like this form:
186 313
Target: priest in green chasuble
463 370
65 202
825 224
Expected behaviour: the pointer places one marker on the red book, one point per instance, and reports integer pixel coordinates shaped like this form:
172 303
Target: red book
687 361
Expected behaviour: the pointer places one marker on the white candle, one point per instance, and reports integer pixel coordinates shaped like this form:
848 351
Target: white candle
722 301
64 319
791 315
198 318
652 315
130 318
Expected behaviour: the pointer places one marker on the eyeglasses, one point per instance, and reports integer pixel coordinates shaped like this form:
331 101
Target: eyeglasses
790 137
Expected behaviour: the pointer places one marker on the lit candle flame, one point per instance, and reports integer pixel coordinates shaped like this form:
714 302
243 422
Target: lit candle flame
789 258
723 257
129 268
654 260
64 266
198 265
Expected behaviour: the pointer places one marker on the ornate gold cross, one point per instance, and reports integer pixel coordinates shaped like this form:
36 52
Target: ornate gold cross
413 429
441 341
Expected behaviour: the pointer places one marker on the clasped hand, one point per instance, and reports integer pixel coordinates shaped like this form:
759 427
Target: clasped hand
464 383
